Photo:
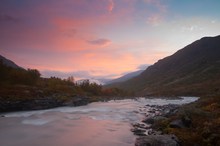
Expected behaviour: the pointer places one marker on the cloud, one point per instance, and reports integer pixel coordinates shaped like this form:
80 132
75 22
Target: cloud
78 75
191 28
111 5
68 35
154 20
70 32
156 12
100 42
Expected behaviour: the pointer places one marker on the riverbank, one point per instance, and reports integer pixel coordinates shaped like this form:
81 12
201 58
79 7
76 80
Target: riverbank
192 124
24 97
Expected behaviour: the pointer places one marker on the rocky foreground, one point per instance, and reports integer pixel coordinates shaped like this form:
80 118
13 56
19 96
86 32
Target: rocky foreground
148 134
37 103
188 125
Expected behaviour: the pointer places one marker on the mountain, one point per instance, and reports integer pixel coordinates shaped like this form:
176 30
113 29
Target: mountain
125 77
8 62
90 81
193 70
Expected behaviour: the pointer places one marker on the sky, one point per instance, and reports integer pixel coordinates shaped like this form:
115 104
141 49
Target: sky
101 38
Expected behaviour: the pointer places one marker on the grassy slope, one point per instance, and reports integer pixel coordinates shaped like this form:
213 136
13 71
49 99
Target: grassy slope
205 126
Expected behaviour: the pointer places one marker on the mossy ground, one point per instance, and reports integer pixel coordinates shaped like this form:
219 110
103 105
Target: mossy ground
205 127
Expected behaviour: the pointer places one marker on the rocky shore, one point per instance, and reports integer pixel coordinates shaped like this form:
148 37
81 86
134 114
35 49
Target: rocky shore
148 130
42 103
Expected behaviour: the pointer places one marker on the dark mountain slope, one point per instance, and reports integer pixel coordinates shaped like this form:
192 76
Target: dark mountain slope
8 62
125 77
195 69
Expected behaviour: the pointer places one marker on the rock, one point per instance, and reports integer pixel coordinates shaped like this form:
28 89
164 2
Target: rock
157 140
80 100
159 118
139 132
33 104
181 123
148 120
170 110
186 121
153 132
177 124
152 120
140 125
157 113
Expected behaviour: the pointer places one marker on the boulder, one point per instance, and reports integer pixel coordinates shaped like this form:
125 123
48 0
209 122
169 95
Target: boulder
187 121
140 125
139 132
177 124
148 120
157 140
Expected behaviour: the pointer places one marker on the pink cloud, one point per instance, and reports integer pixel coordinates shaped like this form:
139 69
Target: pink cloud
67 36
111 5
156 17
154 20
100 42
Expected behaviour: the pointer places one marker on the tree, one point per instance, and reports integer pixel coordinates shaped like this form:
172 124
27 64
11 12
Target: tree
35 74
71 79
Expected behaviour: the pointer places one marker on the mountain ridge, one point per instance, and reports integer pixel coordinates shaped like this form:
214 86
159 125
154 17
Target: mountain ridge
125 77
8 62
197 63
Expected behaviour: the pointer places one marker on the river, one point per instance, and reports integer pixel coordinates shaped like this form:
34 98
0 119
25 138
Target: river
96 124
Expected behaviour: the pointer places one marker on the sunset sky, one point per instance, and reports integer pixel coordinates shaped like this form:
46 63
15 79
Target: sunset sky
101 38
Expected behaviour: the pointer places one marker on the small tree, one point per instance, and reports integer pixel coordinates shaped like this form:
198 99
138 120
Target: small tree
33 75
71 79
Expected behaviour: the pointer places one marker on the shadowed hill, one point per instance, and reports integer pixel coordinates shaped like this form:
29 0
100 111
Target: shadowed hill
125 77
195 69
8 62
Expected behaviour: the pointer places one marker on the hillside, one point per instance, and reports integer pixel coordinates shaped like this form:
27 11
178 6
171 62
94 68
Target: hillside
8 62
193 70
125 77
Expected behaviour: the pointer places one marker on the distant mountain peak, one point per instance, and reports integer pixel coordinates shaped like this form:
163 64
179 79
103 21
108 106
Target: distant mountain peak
125 77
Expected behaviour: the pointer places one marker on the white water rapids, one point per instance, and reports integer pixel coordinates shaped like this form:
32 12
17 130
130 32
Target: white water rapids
96 124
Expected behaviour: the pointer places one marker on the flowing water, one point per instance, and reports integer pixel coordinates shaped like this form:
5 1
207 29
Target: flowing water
96 124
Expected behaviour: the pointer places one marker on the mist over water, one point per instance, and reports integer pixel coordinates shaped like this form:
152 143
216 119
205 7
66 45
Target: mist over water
96 124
